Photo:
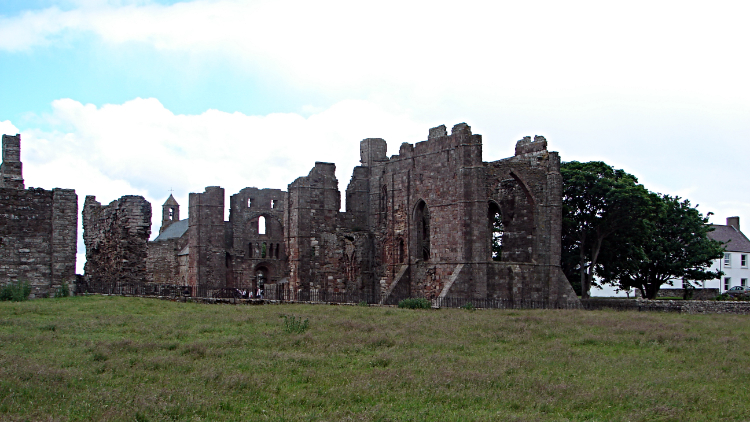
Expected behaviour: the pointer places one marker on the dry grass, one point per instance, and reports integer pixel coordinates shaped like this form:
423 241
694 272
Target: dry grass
110 358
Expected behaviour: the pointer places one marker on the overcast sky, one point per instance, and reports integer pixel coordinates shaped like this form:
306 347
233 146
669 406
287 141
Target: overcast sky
143 96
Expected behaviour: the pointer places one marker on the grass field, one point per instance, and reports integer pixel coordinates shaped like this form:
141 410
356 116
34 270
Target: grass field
114 358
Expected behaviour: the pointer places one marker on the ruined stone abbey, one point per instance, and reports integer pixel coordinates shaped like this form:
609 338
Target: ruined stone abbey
417 224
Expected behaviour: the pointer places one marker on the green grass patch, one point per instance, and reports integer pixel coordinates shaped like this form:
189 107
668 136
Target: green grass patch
114 358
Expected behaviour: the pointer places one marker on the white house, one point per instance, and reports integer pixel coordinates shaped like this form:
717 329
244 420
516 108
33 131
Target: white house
735 264
736 261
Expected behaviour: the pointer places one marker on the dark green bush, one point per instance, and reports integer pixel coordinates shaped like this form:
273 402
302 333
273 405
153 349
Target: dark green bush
415 303
17 291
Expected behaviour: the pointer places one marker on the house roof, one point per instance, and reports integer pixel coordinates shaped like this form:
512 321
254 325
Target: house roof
733 239
175 230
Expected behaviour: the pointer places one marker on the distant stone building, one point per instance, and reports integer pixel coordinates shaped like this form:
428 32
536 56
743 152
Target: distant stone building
420 223
38 228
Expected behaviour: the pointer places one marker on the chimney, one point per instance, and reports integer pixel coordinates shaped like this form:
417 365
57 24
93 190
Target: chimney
734 222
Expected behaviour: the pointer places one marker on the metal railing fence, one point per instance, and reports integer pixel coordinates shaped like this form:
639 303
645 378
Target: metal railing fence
283 294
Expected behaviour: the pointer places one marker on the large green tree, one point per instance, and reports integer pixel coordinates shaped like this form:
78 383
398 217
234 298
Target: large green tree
598 201
671 244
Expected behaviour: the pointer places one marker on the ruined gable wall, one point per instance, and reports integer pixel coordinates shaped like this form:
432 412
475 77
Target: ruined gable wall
38 230
116 238
249 256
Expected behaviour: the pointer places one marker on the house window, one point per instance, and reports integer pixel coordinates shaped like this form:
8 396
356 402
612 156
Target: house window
727 283
728 260
743 261
743 282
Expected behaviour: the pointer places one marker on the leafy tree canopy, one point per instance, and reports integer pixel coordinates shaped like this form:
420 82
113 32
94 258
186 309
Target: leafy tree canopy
629 237
598 201
673 244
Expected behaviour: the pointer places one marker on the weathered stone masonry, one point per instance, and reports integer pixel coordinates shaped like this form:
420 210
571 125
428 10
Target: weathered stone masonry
419 223
116 238
430 209
38 228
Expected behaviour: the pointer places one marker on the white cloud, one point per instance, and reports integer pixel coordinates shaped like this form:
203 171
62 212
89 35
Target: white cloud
493 50
7 128
141 148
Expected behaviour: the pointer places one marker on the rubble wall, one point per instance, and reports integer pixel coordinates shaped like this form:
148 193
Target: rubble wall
116 238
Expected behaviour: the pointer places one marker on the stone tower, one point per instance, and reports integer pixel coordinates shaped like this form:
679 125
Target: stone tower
170 213
11 173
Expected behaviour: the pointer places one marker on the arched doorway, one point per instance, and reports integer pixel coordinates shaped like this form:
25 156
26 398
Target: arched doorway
261 278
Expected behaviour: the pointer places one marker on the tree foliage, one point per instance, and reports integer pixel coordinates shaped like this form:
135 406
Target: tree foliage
598 201
616 230
673 244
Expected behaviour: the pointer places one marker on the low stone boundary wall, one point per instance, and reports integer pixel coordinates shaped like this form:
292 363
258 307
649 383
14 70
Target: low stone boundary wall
696 294
595 304
682 306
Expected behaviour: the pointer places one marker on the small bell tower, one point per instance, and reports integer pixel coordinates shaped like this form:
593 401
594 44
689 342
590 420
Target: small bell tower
170 213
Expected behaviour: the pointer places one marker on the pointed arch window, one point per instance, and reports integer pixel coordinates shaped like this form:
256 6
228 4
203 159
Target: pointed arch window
383 203
422 223
496 230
